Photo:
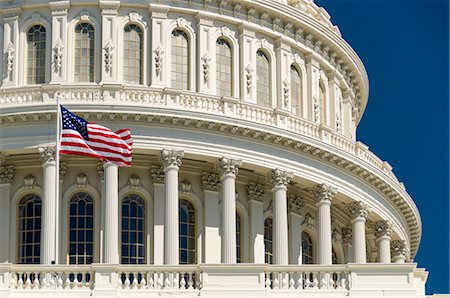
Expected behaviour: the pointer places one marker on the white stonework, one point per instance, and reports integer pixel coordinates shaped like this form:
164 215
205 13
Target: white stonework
244 118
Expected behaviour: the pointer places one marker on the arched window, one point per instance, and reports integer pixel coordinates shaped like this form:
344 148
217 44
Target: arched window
84 52
187 232
268 236
81 233
223 67
133 230
307 249
132 56
36 45
262 79
29 230
238 238
296 90
180 60
323 103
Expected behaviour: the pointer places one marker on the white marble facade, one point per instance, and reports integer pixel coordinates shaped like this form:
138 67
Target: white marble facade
247 178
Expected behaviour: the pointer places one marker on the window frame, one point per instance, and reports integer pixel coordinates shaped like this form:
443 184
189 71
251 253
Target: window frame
142 54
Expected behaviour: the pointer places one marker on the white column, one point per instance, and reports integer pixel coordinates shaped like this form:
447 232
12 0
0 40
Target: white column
295 205
383 232
255 196
228 169
358 211
59 40
60 257
48 234
158 217
110 63
111 233
347 244
279 180
171 160
6 177
398 251
211 186
323 195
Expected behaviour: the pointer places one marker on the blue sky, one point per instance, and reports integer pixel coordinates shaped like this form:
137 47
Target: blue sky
404 46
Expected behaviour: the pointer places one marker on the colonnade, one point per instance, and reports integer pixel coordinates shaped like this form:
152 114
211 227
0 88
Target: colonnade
286 212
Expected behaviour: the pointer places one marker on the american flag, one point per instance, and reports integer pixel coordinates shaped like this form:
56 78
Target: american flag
80 137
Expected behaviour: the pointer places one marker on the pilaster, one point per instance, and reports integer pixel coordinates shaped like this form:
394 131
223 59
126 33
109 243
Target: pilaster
160 66
283 73
210 183
59 55
206 45
255 196
295 218
11 45
247 56
109 40
159 203
347 244
312 81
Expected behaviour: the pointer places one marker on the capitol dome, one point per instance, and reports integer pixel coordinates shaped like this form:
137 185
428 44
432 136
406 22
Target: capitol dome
247 178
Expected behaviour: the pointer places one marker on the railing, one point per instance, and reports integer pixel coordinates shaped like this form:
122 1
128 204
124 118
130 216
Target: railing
35 277
307 278
210 280
159 278
191 101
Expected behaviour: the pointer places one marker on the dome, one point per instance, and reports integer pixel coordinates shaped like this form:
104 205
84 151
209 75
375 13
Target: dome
243 116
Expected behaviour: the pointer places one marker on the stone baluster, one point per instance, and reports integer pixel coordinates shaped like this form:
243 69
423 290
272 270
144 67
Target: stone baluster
228 169
383 232
279 180
171 160
358 211
398 251
6 178
255 196
49 220
323 195
111 233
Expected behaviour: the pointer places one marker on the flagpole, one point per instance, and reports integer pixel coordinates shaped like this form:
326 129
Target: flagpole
58 135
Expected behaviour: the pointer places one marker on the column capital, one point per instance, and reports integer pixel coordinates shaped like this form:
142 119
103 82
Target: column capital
171 158
398 248
47 154
210 182
228 166
279 178
157 174
358 210
108 164
255 191
347 235
6 174
383 228
324 193
101 171
109 6
295 203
